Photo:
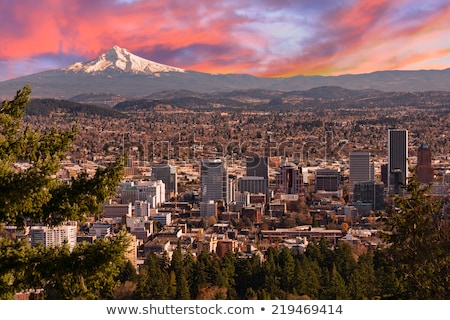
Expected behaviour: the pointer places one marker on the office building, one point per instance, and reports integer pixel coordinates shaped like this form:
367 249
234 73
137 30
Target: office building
253 184
213 184
257 167
290 179
54 236
424 169
361 168
142 208
168 175
152 191
165 218
369 192
328 180
397 159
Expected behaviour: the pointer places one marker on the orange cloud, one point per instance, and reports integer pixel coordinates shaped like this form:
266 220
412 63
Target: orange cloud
233 36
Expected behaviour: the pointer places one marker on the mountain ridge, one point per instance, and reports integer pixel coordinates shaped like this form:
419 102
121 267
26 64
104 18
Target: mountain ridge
120 72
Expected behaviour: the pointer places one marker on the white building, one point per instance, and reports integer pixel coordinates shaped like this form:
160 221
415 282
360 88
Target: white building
153 192
54 236
142 208
100 230
165 218
141 227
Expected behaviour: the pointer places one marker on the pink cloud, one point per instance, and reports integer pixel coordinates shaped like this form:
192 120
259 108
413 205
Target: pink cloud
230 36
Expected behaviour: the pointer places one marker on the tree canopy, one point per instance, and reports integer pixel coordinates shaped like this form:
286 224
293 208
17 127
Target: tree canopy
29 193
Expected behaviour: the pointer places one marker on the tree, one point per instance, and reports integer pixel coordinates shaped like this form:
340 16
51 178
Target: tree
419 244
153 280
33 195
182 289
88 272
30 194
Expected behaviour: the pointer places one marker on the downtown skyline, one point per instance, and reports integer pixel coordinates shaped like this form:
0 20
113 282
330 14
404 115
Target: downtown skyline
267 39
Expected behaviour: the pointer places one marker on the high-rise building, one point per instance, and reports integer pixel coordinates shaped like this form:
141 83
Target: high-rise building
290 179
213 184
252 184
54 236
142 208
397 159
257 167
361 168
167 174
424 169
369 192
328 180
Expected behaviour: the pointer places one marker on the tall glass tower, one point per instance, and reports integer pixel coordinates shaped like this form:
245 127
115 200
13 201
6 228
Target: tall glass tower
397 159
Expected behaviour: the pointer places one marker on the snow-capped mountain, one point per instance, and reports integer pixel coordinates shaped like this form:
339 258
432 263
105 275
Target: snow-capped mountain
121 73
120 59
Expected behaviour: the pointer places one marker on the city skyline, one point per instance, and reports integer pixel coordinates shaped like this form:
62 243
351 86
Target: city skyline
271 39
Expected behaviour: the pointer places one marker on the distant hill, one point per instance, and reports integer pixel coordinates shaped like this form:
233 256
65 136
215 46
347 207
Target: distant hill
322 97
45 107
119 73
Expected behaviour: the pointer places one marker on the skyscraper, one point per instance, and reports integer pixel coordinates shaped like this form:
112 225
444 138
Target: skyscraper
167 174
213 184
290 179
361 168
397 159
424 169
256 168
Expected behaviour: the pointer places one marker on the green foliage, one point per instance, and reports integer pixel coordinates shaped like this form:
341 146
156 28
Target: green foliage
29 193
90 271
419 244
32 193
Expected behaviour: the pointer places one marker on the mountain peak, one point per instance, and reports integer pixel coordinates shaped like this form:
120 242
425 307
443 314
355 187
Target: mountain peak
120 59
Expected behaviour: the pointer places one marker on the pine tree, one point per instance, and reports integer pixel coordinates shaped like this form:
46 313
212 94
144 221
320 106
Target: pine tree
419 245
31 194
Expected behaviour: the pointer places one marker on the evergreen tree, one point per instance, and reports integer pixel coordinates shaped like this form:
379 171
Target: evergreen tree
336 289
363 281
345 260
419 245
153 280
270 271
287 270
182 289
33 195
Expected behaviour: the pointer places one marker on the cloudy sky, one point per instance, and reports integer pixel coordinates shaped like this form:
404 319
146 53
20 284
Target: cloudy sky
275 38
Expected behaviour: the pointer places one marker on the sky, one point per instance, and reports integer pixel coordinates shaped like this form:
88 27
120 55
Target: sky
268 38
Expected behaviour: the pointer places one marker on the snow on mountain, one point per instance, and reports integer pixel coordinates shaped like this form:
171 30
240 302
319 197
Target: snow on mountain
121 59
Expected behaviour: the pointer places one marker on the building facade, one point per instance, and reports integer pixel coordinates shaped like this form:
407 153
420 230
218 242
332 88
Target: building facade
424 169
167 174
213 184
54 236
369 192
328 180
361 168
290 179
397 159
